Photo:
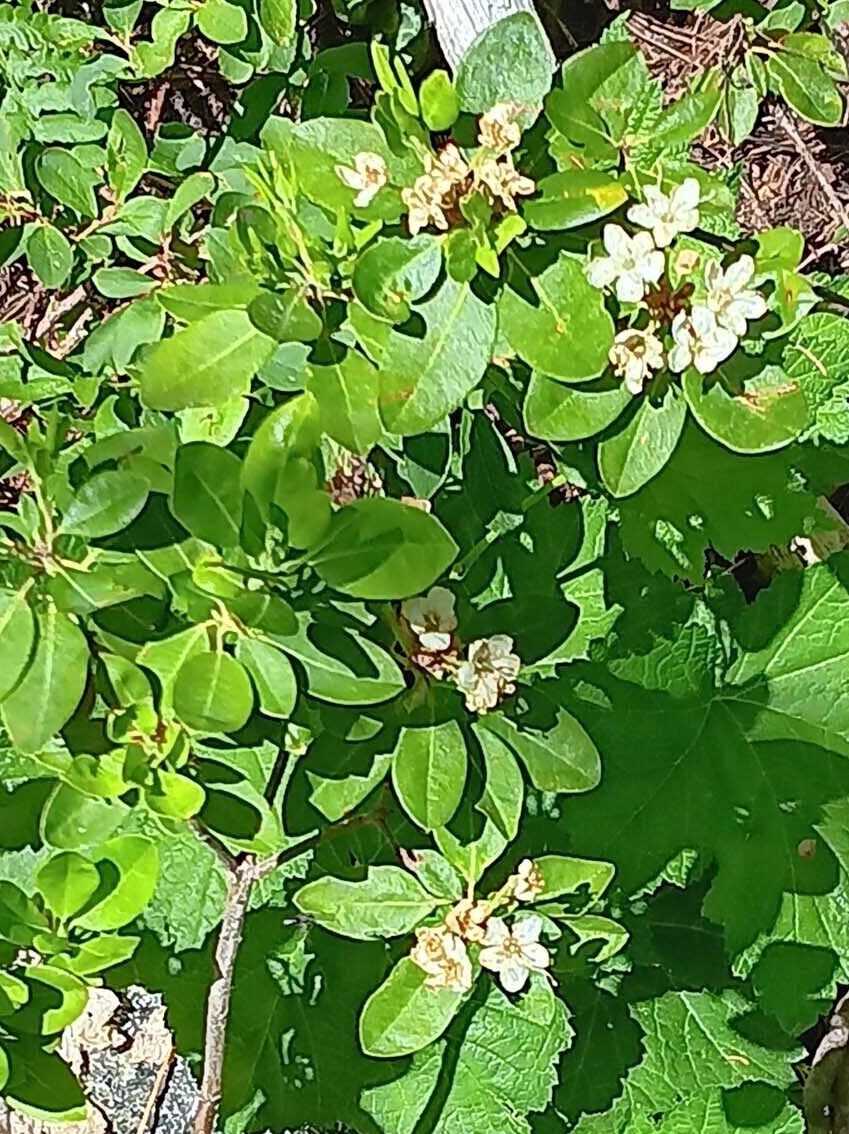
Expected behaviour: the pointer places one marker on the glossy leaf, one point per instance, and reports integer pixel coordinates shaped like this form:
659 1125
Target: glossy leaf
212 693
566 333
50 690
509 61
207 362
383 549
105 504
429 772
272 676
388 903
638 452
425 376
207 495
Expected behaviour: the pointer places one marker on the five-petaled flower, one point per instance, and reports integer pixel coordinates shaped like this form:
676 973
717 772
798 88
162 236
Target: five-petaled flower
699 341
432 618
442 955
367 177
498 129
631 263
665 215
488 673
730 298
514 953
528 882
635 355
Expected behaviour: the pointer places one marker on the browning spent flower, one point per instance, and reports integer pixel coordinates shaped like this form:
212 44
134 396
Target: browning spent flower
502 183
635 356
432 618
499 129
442 955
528 882
467 920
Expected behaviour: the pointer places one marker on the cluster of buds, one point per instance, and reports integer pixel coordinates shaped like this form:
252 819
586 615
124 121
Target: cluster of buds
703 333
512 952
489 670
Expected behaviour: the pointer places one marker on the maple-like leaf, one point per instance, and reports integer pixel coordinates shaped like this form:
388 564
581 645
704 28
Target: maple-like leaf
693 1054
735 762
494 1068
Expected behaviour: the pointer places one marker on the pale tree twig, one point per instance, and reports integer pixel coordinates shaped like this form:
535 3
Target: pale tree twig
242 875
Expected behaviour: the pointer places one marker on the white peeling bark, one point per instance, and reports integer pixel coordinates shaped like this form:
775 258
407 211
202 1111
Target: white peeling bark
459 22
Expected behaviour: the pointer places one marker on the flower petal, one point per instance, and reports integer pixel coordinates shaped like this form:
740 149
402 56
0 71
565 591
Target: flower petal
739 273
679 358
527 929
435 641
630 288
616 241
653 266
687 195
536 956
513 977
713 274
496 933
491 957
642 245
635 374
657 199
750 304
642 215
703 320
664 233
349 177
601 272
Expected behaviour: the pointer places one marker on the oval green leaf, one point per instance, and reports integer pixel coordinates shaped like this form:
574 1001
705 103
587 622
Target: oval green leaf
402 1016
379 548
767 410
429 772
567 333
389 903
639 451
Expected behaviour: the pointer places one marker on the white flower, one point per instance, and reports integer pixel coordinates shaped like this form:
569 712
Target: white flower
368 177
432 618
666 216
632 262
528 882
699 341
443 956
498 129
513 954
635 354
488 673
733 303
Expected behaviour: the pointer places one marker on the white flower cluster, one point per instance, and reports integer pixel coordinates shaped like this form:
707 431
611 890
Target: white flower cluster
487 674
513 952
703 333
449 178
